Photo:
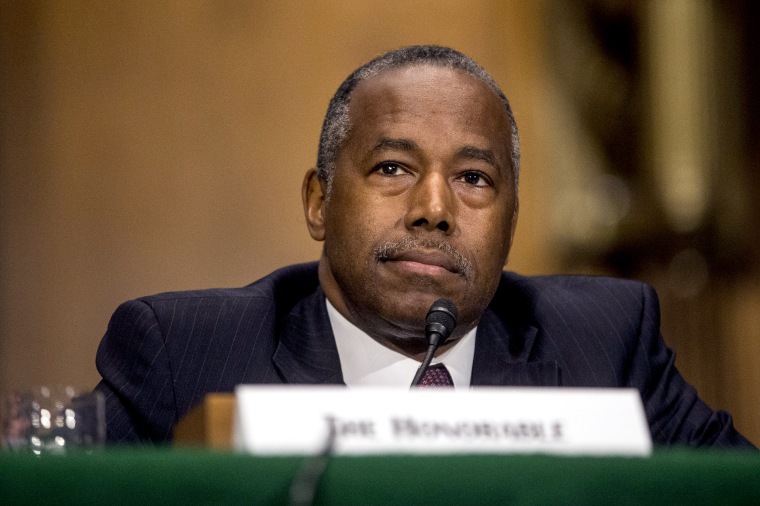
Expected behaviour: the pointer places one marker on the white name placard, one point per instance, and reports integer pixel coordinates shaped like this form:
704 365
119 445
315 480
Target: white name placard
282 420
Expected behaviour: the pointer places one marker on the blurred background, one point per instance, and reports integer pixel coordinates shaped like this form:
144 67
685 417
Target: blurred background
155 146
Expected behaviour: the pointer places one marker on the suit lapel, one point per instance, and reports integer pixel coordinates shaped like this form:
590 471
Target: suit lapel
501 356
307 353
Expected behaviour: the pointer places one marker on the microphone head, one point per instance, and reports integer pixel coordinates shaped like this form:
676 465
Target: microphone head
441 319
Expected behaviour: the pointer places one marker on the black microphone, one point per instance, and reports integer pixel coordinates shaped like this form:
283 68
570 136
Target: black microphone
439 324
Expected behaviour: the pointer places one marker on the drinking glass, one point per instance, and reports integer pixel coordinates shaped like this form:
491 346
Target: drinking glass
52 419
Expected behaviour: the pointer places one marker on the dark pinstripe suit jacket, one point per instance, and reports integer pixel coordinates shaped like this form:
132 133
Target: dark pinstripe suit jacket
162 354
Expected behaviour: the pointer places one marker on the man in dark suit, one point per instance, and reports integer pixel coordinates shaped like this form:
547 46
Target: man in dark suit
415 198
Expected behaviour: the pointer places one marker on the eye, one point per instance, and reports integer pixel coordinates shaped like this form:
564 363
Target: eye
475 179
390 169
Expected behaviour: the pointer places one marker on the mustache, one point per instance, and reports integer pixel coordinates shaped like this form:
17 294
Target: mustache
392 249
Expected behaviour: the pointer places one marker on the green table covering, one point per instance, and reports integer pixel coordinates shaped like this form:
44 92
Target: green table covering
139 476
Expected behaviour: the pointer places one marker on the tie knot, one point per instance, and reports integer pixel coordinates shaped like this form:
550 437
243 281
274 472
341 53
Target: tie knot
437 376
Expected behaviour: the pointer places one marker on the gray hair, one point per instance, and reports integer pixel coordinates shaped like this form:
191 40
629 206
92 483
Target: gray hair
337 124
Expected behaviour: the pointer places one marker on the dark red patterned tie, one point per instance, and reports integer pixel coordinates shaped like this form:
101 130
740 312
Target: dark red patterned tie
437 376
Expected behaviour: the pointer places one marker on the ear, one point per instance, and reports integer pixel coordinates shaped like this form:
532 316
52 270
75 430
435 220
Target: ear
313 196
514 227
514 220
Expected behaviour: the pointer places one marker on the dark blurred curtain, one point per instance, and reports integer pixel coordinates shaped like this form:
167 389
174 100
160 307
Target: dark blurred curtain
656 118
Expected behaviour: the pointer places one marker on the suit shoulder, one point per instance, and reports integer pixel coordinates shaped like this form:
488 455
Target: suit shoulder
571 282
559 290
291 281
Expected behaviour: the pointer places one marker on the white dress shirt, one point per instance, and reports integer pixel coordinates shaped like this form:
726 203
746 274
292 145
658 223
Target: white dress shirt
365 362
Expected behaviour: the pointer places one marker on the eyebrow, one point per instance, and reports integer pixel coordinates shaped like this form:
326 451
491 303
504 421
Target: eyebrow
408 145
485 155
391 144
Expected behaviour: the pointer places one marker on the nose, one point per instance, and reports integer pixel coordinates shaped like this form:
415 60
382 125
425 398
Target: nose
432 205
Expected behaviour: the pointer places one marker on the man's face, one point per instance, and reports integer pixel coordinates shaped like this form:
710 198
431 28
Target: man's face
423 202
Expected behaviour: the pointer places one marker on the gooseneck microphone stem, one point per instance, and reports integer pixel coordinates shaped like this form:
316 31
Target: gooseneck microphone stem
425 365
439 324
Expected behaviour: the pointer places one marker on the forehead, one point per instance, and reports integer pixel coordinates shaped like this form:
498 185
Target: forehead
425 98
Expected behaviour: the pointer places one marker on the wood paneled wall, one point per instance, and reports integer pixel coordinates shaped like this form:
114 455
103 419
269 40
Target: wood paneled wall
154 146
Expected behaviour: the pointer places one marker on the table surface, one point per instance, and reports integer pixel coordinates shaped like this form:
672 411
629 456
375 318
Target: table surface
189 476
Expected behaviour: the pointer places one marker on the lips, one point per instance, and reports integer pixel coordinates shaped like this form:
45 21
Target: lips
431 258
424 256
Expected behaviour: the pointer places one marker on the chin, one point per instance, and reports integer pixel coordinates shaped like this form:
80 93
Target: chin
410 313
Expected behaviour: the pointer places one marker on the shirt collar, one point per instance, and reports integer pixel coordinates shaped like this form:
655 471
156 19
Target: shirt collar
365 362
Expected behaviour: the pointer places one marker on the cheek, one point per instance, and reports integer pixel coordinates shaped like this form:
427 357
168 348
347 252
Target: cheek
362 216
349 229
493 242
